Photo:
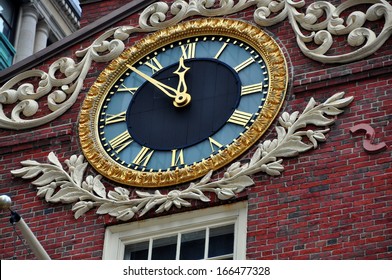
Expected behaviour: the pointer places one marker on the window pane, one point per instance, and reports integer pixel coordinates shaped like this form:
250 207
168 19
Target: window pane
192 245
137 251
164 248
6 10
6 17
221 241
2 25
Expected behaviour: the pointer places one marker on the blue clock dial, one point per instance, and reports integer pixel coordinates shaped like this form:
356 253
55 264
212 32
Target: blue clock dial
142 128
183 101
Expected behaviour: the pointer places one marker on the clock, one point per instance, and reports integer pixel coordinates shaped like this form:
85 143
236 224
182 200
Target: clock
183 101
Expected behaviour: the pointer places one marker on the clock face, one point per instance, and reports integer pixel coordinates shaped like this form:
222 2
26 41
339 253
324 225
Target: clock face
187 105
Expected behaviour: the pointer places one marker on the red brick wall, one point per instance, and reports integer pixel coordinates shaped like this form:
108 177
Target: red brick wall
334 202
95 10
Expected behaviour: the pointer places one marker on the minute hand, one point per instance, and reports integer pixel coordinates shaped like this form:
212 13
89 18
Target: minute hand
180 99
164 88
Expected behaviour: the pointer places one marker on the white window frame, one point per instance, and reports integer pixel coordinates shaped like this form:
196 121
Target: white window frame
118 236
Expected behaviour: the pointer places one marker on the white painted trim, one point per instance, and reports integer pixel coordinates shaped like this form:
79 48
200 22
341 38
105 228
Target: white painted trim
118 236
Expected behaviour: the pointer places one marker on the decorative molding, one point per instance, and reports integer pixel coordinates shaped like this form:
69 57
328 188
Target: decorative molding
70 186
26 98
369 138
360 37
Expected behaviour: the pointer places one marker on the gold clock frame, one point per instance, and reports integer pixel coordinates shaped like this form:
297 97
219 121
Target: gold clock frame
245 32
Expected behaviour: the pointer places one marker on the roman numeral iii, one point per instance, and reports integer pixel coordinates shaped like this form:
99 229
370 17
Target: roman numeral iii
240 118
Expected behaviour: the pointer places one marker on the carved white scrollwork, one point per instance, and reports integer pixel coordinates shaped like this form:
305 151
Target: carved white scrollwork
70 185
321 21
332 24
24 99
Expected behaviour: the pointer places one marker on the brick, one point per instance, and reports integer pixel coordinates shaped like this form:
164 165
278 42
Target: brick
332 202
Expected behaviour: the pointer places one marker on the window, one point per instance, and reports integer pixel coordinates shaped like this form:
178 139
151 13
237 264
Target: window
7 17
205 243
213 233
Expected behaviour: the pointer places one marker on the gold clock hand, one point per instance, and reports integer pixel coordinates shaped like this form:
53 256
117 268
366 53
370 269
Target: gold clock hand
183 97
179 100
156 83
181 70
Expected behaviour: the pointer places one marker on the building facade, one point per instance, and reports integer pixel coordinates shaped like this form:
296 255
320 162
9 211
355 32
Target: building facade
299 167
30 26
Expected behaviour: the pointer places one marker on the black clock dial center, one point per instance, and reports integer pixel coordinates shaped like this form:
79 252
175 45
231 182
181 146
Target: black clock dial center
153 120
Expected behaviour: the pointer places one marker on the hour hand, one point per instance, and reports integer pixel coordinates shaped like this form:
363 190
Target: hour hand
182 96
181 70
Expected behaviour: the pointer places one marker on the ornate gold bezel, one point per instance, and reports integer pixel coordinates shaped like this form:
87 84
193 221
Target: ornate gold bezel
251 35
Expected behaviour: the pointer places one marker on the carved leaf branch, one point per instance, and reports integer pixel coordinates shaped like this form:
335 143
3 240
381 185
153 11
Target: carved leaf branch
57 184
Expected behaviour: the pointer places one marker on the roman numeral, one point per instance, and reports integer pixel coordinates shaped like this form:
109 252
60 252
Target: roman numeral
189 50
143 157
220 51
130 90
115 118
177 157
214 143
121 141
251 89
244 64
154 64
240 118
